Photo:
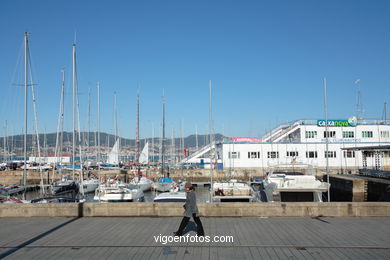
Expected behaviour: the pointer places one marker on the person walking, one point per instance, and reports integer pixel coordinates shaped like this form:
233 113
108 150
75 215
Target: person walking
190 210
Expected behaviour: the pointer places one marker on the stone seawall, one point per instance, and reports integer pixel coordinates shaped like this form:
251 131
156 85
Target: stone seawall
297 209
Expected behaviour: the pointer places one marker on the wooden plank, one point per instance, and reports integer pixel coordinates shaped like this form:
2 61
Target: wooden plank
273 236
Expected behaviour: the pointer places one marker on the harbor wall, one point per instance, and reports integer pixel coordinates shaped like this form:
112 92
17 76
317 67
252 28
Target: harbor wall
296 209
194 175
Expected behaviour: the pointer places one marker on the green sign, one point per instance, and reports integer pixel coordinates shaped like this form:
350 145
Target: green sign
338 123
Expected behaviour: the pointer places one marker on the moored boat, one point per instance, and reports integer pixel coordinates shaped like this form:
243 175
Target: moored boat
170 197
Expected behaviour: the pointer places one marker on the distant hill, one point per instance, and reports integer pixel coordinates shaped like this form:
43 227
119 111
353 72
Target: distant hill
16 141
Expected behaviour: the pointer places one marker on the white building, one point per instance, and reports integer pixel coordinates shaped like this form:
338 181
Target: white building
304 142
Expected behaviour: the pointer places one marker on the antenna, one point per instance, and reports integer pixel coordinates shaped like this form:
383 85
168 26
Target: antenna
359 102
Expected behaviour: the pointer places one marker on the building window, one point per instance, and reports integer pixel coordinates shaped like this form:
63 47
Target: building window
292 154
330 154
273 154
311 134
367 134
253 155
329 134
349 154
234 155
348 134
385 134
311 154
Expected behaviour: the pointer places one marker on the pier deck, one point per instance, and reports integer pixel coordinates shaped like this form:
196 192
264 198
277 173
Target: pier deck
254 238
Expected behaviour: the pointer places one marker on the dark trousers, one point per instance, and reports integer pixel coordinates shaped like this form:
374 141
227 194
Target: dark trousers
184 222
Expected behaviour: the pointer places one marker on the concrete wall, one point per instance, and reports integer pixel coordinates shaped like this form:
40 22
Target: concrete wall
304 209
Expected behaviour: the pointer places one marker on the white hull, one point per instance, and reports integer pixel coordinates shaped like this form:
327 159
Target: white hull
164 186
232 192
144 184
118 194
279 182
171 197
90 185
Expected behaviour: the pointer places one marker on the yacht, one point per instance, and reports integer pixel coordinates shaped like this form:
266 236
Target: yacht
143 183
118 192
233 191
66 184
293 186
171 197
90 185
165 184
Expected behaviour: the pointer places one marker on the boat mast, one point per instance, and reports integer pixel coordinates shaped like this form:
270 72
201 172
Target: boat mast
25 108
196 137
152 151
137 140
89 123
173 157
81 174
73 108
326 140
116 139
98 128
211 142
6 141
163 138
60 126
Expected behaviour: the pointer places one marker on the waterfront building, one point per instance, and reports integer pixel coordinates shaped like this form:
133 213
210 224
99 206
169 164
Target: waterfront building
304 142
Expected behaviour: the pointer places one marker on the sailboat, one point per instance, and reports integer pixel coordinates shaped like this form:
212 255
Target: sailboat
114 190
165 183
225 191
68 183
142 181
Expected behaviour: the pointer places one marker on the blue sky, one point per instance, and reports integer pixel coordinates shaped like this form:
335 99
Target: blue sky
266 60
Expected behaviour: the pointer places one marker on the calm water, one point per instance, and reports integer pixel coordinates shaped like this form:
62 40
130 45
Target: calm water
202 195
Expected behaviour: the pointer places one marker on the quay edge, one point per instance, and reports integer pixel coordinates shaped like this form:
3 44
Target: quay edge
292 209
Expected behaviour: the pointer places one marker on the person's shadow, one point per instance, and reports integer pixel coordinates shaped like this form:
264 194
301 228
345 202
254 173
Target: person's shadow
191 226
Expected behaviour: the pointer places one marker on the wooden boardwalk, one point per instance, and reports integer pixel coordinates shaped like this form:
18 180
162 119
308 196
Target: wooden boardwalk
254 238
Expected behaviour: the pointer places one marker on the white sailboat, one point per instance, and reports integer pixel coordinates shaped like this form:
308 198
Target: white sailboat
225 191
116 190
143 183
140 181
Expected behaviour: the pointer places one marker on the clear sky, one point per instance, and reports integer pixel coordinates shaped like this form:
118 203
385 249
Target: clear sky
266 60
